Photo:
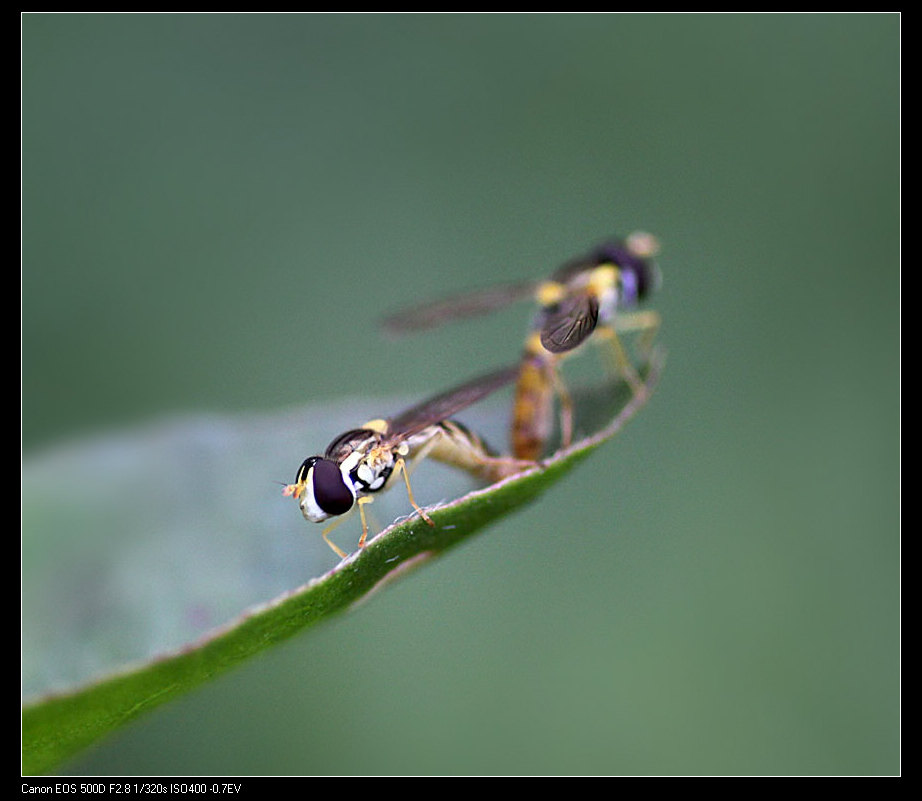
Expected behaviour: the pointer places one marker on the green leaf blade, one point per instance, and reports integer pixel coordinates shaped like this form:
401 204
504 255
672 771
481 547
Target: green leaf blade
57 725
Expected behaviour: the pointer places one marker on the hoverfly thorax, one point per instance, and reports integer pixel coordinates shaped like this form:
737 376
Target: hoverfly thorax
362 458
370 471
593 296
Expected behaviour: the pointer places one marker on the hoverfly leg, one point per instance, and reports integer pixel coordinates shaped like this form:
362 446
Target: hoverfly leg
401 467
646 322
621 362
566 408
361 502
339 551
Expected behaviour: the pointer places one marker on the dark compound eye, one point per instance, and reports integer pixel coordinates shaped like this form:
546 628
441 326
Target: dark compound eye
330 491
306 465
646 276
639 274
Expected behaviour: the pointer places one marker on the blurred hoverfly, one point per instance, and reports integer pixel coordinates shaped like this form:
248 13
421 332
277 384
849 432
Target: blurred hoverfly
593 295
360 462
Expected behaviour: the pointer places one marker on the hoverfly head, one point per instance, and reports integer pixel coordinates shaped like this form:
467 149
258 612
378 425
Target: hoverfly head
322 489
638 273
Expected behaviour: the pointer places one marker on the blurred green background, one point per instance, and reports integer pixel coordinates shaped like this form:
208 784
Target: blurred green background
216 210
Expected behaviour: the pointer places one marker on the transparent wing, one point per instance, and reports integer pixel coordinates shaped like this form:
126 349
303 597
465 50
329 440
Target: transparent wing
347 442
442 406
569 323
457 307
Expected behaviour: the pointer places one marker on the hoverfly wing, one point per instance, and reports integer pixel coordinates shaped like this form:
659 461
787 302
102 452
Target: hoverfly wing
573 268
457 307
442 406
567 324
348 442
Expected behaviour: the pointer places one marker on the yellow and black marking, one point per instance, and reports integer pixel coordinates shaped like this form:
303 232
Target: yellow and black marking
361 462
592 296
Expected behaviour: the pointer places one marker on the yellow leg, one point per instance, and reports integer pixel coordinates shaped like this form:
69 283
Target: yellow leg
361 502
566 407
340 552
647 322
621 363
402 467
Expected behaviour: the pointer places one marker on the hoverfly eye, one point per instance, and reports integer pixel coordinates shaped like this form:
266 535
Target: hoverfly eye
638 274
305 467
330 491
646 276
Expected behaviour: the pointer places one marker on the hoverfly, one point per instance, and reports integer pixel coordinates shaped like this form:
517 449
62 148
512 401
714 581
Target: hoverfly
593 295
361 462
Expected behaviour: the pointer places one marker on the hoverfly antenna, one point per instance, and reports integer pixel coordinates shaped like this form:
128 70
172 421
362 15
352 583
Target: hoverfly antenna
295 489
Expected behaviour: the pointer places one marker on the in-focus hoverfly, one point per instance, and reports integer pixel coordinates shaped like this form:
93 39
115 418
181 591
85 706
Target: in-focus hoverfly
362 461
